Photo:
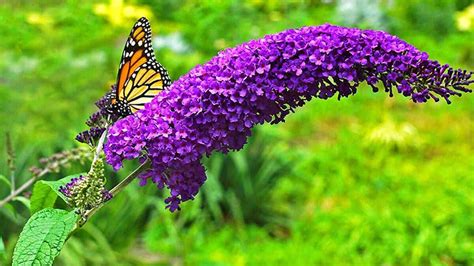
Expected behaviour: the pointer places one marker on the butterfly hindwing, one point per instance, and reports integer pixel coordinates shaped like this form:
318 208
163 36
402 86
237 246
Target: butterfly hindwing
147 81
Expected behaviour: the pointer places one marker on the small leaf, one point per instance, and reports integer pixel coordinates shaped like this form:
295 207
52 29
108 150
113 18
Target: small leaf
6 181
45 193
9 211
43 237
42 197
2 246
23 200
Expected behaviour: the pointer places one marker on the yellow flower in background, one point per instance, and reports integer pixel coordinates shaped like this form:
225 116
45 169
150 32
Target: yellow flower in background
38 19
228 259
119 13
393 135
220 44
465 19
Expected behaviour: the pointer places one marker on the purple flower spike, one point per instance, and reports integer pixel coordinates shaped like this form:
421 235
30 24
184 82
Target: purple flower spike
68 188
214 106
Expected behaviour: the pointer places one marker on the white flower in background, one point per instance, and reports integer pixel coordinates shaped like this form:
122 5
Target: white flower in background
173 41
83 61
361 13
17 66
391 134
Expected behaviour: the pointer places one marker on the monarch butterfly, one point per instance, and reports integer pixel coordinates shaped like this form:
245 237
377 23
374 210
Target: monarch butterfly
140 77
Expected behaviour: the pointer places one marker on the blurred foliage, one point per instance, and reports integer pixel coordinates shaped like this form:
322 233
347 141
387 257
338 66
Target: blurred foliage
364 181
240 184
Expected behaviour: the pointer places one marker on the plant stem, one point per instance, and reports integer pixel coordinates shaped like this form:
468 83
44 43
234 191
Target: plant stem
23 187
47 169
120 186
10 161
12 182
99 147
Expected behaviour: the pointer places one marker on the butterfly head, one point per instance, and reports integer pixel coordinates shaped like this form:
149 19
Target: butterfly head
119 107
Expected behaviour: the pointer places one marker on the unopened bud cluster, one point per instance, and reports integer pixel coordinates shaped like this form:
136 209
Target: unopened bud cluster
87 191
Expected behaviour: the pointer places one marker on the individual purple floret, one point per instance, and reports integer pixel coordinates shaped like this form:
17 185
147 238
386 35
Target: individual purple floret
106 195
90 136
215 105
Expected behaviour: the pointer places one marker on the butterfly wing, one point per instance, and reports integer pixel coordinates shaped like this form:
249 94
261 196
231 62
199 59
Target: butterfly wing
147 81
139 66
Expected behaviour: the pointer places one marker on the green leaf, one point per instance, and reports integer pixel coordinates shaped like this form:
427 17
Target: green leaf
5 180
45 193
2 246
23 200
9 211
43 237
42 197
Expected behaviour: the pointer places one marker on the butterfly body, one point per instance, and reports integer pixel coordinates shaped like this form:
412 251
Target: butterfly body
121 108
140 76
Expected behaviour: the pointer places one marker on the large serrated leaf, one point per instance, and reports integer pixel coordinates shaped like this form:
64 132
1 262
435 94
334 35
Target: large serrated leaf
45 193
43 237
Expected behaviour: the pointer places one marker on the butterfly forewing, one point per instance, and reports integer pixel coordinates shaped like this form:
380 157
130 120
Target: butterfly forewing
140 76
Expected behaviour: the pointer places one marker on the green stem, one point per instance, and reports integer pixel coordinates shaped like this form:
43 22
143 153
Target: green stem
100 146
11 162
31 181
23 187
119 187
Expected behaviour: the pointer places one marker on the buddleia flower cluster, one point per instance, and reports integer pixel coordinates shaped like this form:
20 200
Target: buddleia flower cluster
87 191
215 105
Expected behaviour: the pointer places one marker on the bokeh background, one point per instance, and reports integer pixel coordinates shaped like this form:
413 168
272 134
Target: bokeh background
368 180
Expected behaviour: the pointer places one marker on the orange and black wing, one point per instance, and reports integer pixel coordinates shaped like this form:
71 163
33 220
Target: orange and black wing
138 55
